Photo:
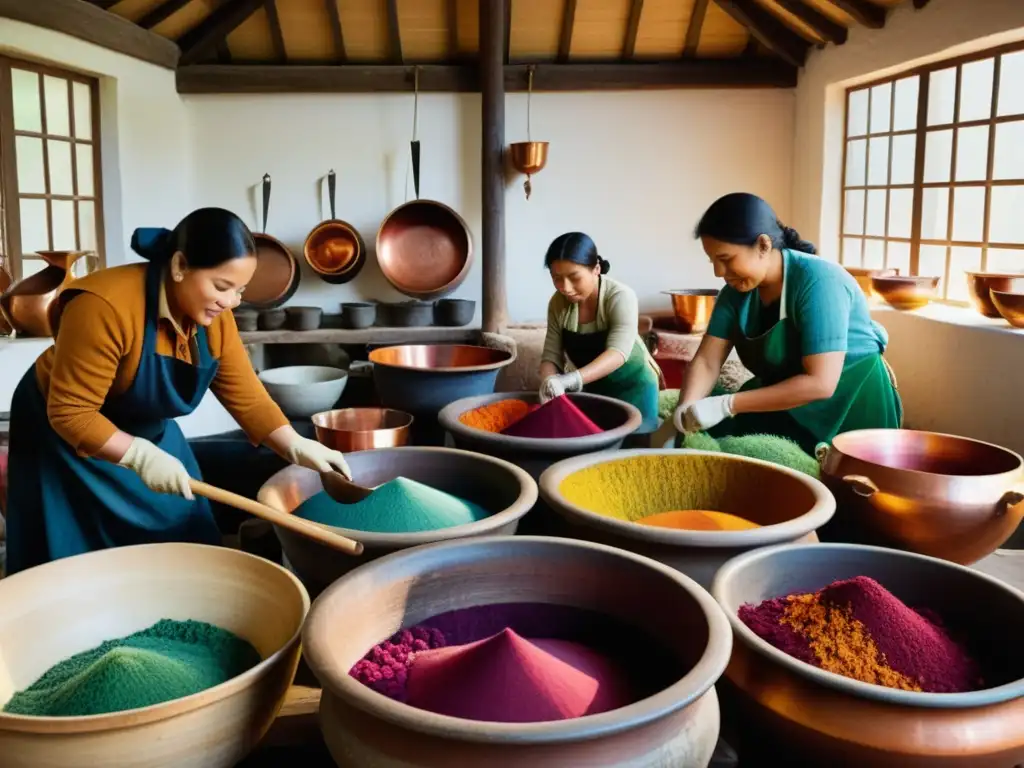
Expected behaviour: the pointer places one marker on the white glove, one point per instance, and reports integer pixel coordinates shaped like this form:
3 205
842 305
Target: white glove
559 384
312 455
159 470
703 414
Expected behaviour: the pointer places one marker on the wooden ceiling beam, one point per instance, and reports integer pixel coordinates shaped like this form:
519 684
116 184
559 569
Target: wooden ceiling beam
90 23
276 34
816 20
337 33
452 20
863 12
350 78
508 31
636 8
693 29
394 34
165 10
202 39
768 29
919 4
565 38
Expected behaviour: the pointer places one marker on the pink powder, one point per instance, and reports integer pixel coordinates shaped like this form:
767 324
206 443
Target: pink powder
385 667
558 418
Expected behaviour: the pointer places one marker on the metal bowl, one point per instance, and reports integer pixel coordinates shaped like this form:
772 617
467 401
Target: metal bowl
362 429
529 157
1010 306
335 251
940 495
821 718
497 486
905 292
693 308
677 726
863 277
979 284
788 505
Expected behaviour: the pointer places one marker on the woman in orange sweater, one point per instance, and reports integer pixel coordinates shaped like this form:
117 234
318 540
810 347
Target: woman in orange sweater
96 458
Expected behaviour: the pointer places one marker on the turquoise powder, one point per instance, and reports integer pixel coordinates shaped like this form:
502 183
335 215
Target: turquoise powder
398 506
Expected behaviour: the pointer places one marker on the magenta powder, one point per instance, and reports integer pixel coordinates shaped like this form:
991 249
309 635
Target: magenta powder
765 620
558 418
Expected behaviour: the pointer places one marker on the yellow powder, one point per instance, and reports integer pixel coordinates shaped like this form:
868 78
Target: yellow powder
698 520
842 644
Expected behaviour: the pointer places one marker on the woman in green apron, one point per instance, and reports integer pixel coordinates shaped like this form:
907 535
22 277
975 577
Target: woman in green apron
799 323
592 342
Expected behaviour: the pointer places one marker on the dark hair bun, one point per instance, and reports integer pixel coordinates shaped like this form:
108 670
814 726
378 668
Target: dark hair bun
604 264
791 239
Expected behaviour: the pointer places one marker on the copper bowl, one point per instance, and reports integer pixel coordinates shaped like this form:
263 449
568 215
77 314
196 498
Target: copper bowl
441 358
940 495
817 718
276 277
905 292
1010 306
692 308
425 249
362 429
980 284
529 157
863 277
335 251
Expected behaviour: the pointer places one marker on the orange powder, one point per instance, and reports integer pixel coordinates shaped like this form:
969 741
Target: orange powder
698 520
496 416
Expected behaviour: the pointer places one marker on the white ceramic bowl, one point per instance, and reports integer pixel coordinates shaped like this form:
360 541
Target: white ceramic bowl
302 390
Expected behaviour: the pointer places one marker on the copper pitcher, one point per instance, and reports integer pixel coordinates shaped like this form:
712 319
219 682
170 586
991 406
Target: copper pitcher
30 305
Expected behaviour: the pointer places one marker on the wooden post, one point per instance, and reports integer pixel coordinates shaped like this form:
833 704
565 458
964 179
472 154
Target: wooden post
492 86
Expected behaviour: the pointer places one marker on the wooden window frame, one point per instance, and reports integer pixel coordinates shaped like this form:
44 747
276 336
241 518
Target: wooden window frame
920 131
10 216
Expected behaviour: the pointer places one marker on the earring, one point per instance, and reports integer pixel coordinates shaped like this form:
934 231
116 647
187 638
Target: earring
178 276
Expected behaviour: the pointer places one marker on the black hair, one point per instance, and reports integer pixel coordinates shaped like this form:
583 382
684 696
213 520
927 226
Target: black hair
577 248
208 237
740 218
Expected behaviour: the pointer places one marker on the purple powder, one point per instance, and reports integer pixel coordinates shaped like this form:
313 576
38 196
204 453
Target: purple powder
765 620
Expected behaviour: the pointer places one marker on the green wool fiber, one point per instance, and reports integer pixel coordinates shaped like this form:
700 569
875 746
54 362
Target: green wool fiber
398 506
778 450
701 441
169 660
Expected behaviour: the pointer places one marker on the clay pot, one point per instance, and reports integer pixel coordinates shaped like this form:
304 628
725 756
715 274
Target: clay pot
358 314
408 314
454 312
246 319
303 318
272 319
30 306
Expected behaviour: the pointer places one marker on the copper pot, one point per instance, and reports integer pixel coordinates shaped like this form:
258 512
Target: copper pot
935 494
362 429
863 277
30 305
980 284
692 308
1010 306
277 272
905 292
334 249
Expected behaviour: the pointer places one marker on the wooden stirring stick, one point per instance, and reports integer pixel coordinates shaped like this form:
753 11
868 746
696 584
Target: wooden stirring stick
297 525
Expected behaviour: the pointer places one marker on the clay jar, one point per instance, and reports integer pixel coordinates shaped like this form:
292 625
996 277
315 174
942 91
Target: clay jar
303 318
30 305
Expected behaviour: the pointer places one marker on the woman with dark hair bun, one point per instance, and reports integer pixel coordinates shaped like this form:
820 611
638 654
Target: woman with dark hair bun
593 342
96 457
800 324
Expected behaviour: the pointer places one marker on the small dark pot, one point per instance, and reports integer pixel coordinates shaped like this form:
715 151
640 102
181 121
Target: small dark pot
246 319
271 320
303 318
454 312
358 314
409 314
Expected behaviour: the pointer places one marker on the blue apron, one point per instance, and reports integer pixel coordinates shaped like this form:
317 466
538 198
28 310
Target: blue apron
62 504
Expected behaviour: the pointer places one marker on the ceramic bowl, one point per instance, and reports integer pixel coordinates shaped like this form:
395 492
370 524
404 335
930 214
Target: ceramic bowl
980 285
1010 306
68 606
677 726
595 495
303 390
827 719
905 292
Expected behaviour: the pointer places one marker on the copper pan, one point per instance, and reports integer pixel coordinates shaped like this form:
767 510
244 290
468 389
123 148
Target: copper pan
693 308
934 494
30 306
277 272
425 248
334 249
440 358
362 429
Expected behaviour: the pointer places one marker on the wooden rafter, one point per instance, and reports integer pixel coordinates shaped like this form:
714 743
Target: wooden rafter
452 18
693 29
276 35
508 31
919 4
337 34
223 52
565 38
202 39
165 10
394 34
865 13
816 20
636 8
768 29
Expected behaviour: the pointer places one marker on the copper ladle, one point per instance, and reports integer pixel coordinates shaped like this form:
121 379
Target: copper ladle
315 531
343 490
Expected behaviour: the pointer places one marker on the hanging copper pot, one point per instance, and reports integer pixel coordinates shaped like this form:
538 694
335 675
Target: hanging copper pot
334 249
277 271
30 305
529 157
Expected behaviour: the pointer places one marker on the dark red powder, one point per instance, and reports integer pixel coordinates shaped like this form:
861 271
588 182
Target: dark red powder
558 418
765 619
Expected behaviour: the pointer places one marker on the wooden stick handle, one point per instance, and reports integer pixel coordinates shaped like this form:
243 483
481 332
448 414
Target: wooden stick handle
297 525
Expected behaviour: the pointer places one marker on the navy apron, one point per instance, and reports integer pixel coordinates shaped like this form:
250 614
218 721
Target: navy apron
62 504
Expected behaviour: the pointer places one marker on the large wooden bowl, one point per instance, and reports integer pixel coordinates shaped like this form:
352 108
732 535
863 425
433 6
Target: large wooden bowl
56 610
905 292
980 285
677 726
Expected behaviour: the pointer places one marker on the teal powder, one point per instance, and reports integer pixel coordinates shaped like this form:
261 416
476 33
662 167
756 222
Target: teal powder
169 660
398 506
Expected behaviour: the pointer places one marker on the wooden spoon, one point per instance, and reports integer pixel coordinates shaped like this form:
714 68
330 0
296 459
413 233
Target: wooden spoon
343 490
314 531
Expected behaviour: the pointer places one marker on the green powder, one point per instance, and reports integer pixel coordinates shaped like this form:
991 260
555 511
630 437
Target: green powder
398 506
777 450
169 660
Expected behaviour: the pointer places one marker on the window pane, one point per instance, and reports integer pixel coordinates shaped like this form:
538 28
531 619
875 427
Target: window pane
83 155
972 154
938 152
1007 222
941 96
58 121
876 214
976 90
934 214
898 257
904 117
878 161
27 113
30 267
1005 260
932 263
969 214
1011 75
901 212
34 232
853 219
29 154
903 150
63 212
83 110
851 251
881 105
59 158
874 254
1009 159
87 226
961 259
856 162
857 118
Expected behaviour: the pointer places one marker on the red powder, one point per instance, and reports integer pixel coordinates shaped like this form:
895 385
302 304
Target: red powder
557 418
507 679
385 667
